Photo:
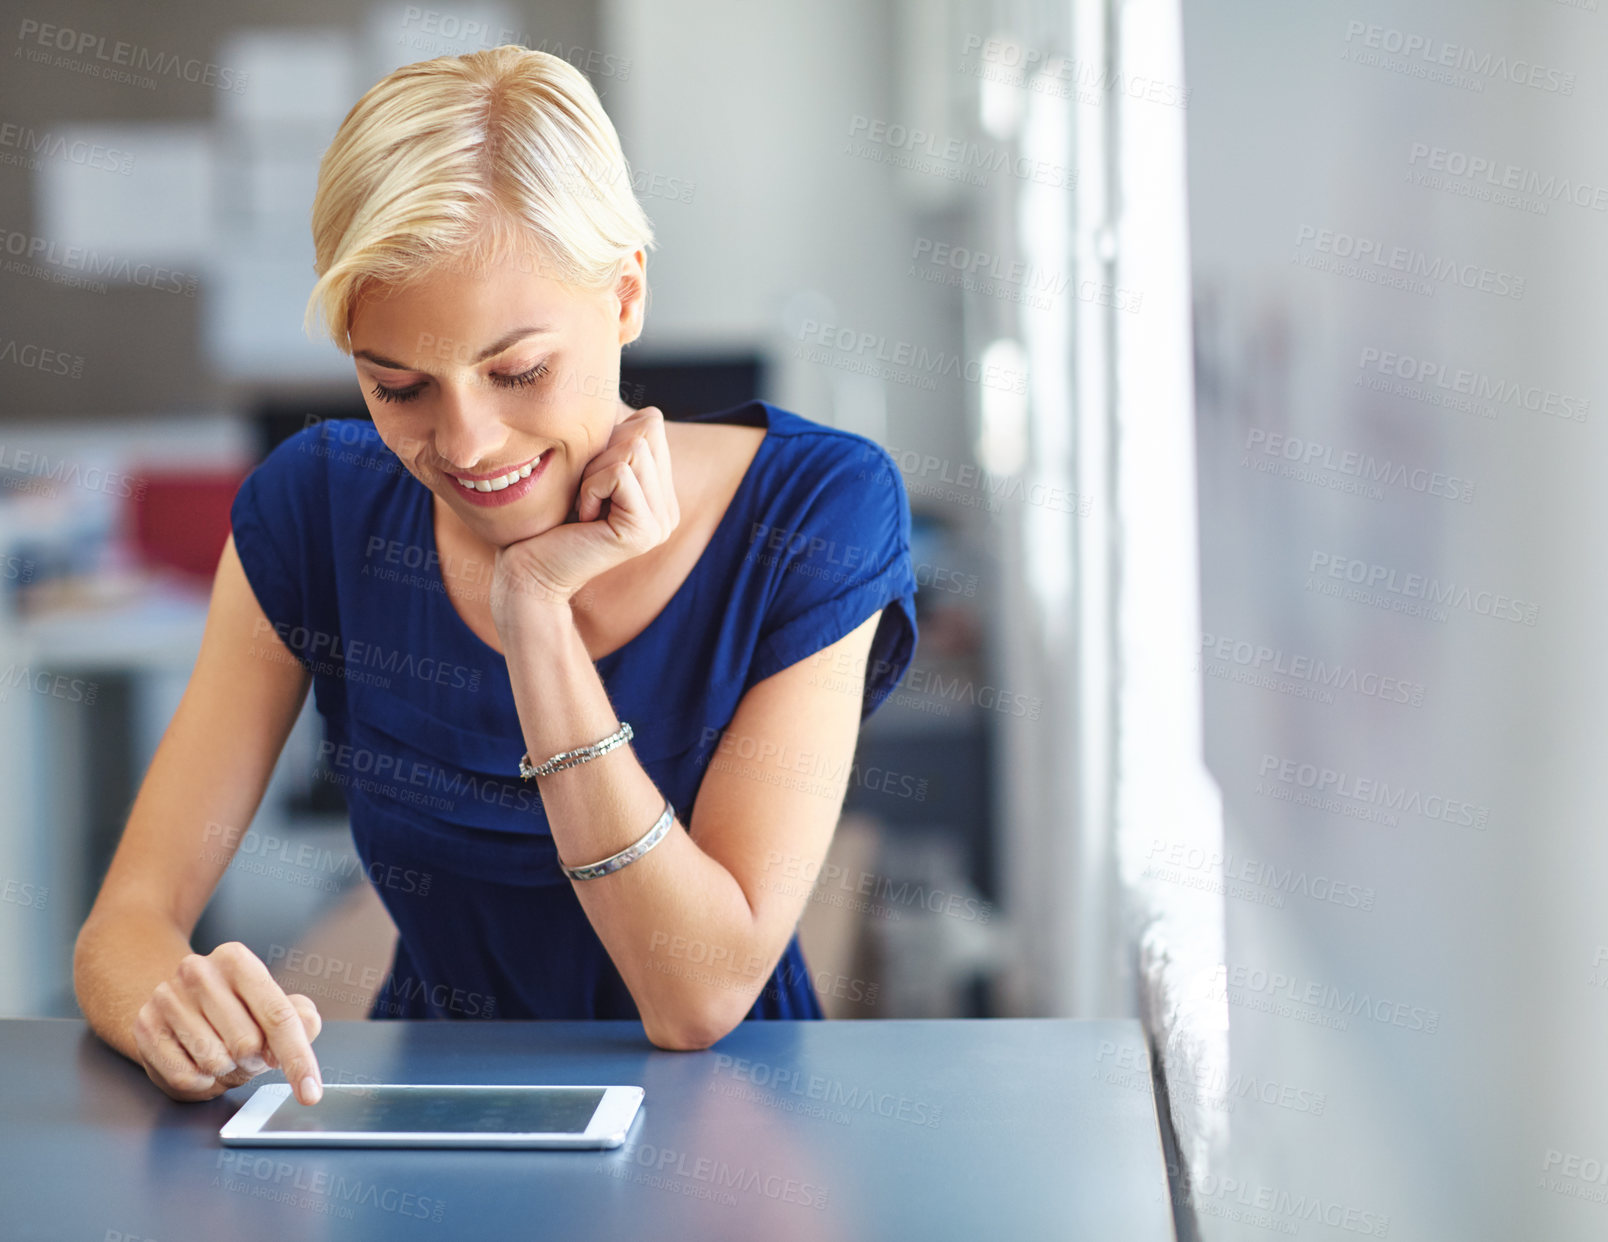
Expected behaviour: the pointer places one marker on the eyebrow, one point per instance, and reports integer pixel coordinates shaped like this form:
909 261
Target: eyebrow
491 351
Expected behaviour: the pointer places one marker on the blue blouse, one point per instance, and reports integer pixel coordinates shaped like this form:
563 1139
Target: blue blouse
420 728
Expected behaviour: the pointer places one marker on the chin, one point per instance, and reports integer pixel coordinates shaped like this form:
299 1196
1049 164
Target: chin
502 527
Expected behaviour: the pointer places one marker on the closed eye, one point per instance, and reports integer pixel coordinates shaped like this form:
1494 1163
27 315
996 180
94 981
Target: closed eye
382 393
522 380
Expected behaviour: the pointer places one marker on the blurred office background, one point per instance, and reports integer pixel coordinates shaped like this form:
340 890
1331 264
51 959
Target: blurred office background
1237 361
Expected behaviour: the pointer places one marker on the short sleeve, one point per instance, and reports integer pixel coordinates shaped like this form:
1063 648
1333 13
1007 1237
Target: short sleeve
274 514
842 553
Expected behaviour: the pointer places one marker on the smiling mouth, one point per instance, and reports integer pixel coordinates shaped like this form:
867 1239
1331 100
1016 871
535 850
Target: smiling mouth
496 483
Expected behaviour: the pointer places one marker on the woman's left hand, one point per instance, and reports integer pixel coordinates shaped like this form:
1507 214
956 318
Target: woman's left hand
631 476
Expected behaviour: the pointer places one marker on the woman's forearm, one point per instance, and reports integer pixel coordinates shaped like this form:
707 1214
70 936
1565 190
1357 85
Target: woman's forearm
119 958
675 922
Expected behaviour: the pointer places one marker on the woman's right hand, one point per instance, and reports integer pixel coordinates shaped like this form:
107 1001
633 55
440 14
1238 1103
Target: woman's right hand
220 1021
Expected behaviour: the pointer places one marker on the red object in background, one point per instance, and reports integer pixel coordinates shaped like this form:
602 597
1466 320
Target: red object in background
180 518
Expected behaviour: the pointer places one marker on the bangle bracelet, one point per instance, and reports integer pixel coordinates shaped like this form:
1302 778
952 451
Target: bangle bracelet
569 758
630 853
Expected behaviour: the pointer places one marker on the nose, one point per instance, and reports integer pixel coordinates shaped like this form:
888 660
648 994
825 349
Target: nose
468 430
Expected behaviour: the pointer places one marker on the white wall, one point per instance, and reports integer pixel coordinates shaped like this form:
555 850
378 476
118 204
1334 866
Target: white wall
1495 929
752 105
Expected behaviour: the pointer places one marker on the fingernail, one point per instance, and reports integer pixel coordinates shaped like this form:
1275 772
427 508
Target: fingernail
253 1065
311 1090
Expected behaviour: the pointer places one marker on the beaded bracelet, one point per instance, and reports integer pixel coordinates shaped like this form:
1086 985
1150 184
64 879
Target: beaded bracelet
570 758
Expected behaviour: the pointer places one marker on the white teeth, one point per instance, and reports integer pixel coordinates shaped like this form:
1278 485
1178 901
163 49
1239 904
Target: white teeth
497 485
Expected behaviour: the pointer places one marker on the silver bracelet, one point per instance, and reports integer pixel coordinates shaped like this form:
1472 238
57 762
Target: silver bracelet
569 758
630 853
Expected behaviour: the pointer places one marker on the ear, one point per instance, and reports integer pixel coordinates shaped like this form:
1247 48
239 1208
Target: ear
631 289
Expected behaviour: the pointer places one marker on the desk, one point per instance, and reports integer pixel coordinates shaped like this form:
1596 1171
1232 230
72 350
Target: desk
1009 1129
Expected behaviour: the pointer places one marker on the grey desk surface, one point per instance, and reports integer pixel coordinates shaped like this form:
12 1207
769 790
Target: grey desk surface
1017 1129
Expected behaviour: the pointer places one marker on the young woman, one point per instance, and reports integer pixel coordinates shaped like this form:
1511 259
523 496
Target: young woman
593 717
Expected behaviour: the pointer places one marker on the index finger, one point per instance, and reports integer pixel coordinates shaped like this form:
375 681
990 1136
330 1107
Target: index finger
281 1025
652 429
635 423
648 423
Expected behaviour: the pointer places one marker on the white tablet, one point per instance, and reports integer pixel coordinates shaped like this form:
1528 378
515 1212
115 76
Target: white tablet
396 1115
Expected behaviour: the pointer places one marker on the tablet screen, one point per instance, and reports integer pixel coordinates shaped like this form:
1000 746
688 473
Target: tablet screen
478 1110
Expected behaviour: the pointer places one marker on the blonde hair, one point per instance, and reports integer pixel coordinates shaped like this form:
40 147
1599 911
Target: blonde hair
468 158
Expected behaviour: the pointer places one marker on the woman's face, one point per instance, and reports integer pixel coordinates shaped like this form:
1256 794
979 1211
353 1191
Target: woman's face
494 372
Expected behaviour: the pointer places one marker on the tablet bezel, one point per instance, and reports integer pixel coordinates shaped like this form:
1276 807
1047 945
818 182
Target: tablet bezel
607 1128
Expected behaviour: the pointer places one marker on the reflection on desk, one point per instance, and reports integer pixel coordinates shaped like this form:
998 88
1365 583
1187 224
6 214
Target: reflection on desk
967 1129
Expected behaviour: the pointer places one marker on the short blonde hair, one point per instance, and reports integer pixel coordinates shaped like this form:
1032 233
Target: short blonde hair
470 158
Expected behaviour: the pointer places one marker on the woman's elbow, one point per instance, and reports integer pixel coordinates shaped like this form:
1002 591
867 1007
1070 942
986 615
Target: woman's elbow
693 1032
